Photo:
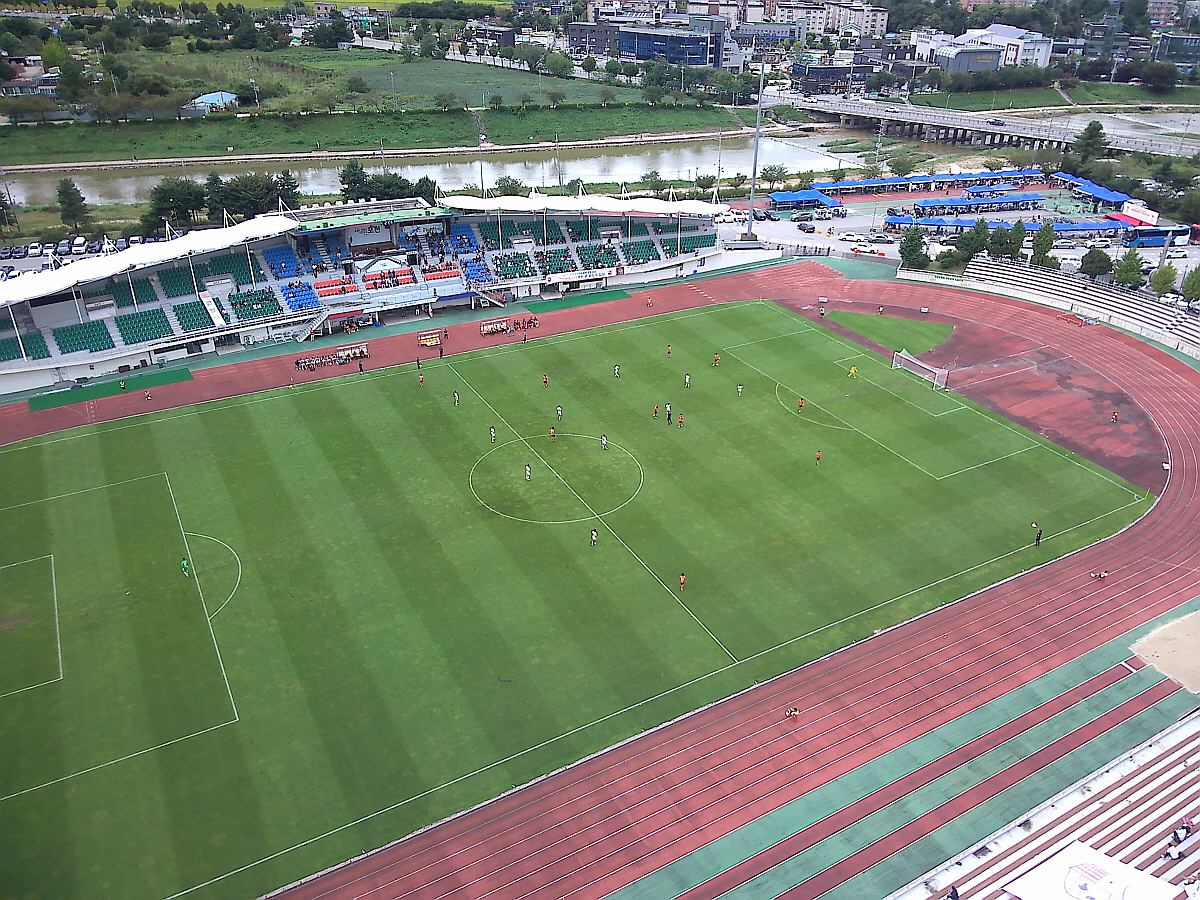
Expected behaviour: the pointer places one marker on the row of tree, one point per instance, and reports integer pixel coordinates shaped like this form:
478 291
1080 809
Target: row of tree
358 185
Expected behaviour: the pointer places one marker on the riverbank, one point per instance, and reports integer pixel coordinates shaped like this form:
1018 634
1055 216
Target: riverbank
219 141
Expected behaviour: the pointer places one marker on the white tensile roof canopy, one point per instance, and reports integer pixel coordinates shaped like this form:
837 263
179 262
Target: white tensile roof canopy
109 265
1079 872
599 205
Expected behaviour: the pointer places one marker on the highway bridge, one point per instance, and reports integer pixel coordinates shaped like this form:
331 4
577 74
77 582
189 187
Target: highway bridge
980 130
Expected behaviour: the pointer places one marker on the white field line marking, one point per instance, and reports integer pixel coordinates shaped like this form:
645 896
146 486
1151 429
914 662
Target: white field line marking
185 737
974 381
196 577
595 515
805 418
957 407
98 487
57 628
237 583
571 732
772 338
113 762
989 462
839 418
848 358
283 391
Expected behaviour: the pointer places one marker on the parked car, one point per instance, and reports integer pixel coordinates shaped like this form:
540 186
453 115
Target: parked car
808 227
95 246
121 244
135 239
802 215
1177 253
6 252
995 121
20 252
1065 245
880 239
1173 298
64 247
1099 244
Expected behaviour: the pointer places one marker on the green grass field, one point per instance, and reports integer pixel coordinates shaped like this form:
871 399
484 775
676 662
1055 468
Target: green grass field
1103 92
516 126
389 622
1020 98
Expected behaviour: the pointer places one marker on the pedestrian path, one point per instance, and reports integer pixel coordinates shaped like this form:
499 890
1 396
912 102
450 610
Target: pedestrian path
850 837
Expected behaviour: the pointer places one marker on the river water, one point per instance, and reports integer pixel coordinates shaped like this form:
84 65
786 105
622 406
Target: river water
682 161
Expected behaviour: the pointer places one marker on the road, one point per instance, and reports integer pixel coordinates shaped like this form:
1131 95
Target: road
1009 126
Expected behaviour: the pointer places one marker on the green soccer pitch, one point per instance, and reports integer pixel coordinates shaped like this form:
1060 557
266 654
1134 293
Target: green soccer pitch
388 622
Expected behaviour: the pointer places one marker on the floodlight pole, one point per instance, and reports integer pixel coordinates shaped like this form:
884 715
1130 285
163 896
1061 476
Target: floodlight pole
17 331
762 72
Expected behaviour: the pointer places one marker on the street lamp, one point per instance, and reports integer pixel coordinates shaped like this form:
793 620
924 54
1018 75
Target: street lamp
762 72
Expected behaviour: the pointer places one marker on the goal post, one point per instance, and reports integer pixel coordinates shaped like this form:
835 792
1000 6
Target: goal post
902 359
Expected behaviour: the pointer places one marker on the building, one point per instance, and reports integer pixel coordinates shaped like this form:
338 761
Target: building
594 38
322 10
1017 46
828 79
698 44
967 59
736 12
213 102
499 35
861 18
1183 50
1163 12
1068 46
805 13
1105 40
767 34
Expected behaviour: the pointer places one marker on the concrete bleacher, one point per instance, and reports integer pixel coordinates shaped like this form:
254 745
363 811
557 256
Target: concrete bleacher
1127 810
1074 293
511 266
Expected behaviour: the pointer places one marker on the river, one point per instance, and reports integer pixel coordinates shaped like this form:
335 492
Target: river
682 161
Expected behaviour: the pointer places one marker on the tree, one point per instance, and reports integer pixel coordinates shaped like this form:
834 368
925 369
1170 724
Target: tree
1189 209
1043 241
507 186
653 94
177 200
524 98
912 249
773 174
443 100
653 181
607 95
994 163
612 67
588 65
72 208
559 65
736 181
1092 142
902 164
356 85
250 194
1163 279
706 182
287 187
354 181
555 97
1159 77
1128 270
495 101
997 244
973 241
1016 239
1096 263
1191 286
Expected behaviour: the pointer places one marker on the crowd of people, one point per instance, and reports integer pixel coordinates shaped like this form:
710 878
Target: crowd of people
525 324
339 358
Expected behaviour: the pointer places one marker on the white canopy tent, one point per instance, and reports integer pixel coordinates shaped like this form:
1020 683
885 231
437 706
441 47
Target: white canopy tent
97 268
598 205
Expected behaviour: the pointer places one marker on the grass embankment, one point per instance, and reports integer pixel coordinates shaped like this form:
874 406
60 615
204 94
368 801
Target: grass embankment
1130 94
403 639
1023 98
214 135
514 126
895 334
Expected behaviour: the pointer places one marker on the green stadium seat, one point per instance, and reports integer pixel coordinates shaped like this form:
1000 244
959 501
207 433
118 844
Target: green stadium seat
35 347
640 252
598 256
259 304
514 265
176 282
145 325
192 316
93 336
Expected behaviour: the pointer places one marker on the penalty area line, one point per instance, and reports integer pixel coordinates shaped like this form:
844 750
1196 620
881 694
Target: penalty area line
595 515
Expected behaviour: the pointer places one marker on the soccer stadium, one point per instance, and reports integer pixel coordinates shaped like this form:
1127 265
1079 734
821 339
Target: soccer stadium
530 548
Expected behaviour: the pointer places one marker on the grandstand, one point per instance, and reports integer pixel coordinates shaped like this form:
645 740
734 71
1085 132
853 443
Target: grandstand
287 275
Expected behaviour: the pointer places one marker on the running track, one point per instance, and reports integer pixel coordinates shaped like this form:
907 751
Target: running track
607 821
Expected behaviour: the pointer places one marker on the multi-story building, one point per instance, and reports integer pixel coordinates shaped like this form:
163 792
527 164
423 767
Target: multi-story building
1105 39
828 79
767 34
1163 12
1181 49
594 38
862 18
1017 46
806 13
737 12
698 44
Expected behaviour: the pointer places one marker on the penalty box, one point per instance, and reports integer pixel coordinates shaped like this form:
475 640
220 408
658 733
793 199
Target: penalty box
115 656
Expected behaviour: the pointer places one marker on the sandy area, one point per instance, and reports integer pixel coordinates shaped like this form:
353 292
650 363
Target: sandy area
1174 649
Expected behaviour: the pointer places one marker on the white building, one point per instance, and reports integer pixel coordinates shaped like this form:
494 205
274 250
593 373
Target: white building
1017 46
861 18
803 12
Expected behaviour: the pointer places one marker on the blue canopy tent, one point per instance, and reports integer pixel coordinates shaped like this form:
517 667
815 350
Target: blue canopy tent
1012 201
794 199
991 188
948 180
1092 190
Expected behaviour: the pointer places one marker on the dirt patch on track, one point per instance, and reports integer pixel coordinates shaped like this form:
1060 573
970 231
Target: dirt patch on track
1172 650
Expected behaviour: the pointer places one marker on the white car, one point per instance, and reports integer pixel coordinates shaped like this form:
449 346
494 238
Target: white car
1178 253
1064 245
851 236
1099 244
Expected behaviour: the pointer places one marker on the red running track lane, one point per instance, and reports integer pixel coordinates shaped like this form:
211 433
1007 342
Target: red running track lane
605 822
900 838
901 787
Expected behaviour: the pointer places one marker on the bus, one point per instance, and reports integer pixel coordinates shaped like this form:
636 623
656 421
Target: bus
1195 238
1156 235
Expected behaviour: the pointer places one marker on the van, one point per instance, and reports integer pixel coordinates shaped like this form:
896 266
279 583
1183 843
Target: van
64 247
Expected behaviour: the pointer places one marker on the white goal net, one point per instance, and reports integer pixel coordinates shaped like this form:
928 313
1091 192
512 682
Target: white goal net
902 359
